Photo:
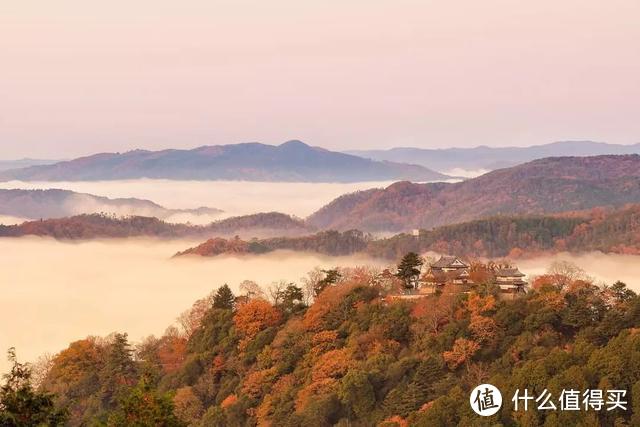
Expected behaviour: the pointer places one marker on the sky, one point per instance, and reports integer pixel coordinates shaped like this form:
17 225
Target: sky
85 76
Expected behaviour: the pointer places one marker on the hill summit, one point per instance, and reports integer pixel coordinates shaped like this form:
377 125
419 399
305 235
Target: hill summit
293 161
555 184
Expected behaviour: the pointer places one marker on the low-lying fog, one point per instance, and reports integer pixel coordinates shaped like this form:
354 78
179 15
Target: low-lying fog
234 197
11 220
53 293
602 268
466 173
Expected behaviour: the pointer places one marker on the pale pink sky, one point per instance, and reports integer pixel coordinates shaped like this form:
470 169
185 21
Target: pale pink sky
80 76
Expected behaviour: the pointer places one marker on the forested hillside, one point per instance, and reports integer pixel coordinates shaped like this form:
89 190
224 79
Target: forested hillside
352 357
111 226
324 242
609 231
551 185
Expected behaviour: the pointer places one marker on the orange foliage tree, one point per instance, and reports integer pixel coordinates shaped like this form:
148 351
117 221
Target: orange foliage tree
72 367
187 406
315 316
478 305
483 328
230 400
255 316
435 312
462 352
325 373
256 382
172 353
332 364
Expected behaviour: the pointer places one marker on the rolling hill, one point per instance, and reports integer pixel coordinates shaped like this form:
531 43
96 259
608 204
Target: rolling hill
292 161
325 242
550 185
98 226
608 231
54 203
491 158
24 163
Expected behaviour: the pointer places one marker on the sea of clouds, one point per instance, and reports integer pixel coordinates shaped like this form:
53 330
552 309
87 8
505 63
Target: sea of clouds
233 197
55 292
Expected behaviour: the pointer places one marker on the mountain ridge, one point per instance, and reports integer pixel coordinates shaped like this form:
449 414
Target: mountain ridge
605 230
57 203
99 226
542 186
292 161
485 157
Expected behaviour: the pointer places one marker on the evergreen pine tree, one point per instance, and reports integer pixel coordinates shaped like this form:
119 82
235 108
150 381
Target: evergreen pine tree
421 388
21 405
291 299
398 401
224 298
331 277
119 370
409 267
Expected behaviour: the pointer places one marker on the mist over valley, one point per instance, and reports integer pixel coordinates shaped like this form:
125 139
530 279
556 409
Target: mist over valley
133 285
233 198
126 285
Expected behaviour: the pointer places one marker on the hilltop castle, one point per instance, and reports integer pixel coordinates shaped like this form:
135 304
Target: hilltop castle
451 270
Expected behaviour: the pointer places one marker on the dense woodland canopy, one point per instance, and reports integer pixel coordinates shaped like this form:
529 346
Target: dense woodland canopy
338 350
544 186
325 242
605 230
92 226
601 229
610 231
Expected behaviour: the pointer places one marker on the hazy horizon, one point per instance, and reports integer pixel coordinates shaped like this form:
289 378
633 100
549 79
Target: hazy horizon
84 77
462 172
234 198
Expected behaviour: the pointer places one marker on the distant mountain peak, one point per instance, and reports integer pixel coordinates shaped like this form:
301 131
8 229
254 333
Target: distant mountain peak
294 143
297 146
292 161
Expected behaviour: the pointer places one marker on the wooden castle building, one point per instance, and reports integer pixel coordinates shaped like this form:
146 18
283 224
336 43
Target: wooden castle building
452 270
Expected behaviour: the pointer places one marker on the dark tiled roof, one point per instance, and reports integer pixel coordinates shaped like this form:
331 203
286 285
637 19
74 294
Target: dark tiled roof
448 261
509 272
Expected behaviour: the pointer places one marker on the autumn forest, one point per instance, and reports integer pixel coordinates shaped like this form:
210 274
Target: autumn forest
319 214
339 349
